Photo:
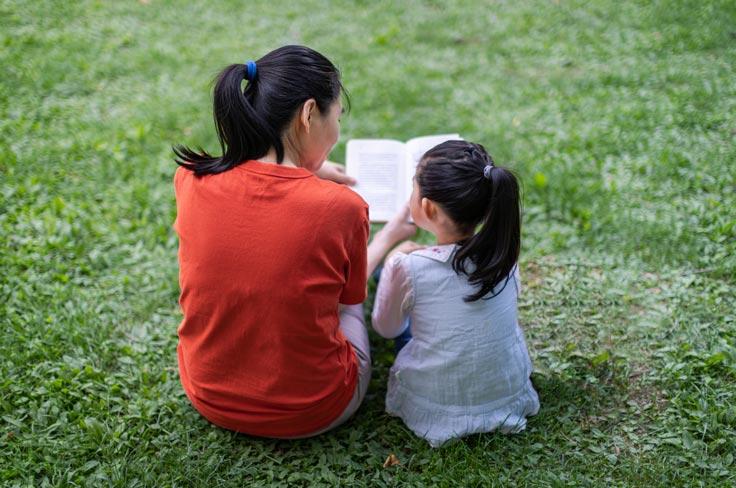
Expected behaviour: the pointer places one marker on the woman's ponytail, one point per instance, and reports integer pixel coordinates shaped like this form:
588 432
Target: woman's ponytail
236 123
250 120
462 178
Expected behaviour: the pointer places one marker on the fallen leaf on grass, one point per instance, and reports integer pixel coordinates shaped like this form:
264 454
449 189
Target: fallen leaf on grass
391 460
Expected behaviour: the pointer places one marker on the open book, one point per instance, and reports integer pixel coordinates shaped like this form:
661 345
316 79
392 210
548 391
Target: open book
385 168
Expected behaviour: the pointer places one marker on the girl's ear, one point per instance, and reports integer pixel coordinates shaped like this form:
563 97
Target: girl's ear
305 114
429 208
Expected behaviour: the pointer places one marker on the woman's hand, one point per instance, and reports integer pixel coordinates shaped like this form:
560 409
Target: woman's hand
334 172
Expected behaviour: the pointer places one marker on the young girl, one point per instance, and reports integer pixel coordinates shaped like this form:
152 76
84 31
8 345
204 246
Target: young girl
466 367
273 258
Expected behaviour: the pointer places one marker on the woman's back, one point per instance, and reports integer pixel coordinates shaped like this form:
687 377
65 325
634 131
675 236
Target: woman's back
266 253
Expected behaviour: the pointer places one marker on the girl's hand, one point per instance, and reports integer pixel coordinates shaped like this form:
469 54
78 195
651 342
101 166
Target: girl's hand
399 228
334 172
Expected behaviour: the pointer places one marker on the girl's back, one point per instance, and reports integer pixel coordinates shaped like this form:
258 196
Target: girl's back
463 353
466 368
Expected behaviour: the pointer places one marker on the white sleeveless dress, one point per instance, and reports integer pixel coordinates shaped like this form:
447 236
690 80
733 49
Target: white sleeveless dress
466 369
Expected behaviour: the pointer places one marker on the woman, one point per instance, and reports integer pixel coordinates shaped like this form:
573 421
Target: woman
273 259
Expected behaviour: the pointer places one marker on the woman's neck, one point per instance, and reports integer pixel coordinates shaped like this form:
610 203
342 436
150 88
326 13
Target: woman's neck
270 157
291 155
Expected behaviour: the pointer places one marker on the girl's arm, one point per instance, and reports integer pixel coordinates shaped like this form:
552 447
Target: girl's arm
394 297
395 231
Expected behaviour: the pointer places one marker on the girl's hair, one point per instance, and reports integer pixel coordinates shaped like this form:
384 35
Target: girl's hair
462 179
250 120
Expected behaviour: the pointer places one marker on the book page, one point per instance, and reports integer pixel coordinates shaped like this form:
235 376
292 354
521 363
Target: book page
378 166
415 149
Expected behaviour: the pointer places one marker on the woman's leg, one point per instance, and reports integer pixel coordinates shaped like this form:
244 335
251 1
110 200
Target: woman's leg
352 325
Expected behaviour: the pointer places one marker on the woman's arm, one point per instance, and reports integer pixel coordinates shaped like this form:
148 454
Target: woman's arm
334 172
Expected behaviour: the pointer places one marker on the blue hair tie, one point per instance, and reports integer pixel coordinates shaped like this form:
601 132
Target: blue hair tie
250 74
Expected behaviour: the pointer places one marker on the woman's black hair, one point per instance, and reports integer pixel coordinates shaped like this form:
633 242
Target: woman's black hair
251 119
462 179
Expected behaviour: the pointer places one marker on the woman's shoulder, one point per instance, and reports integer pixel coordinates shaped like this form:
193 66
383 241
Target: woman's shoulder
342 195
333 207
181 172
181 176
340 198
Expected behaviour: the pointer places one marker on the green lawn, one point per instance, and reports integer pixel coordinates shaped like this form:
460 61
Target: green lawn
619 116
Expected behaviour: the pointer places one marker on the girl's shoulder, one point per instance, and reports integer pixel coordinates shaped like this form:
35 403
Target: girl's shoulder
433 255
439 253
433 264
430 264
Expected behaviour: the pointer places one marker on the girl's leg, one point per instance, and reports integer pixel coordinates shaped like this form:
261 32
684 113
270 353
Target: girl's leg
377 273
400 341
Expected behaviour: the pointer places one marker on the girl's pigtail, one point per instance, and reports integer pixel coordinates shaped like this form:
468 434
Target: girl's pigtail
461 178
494 249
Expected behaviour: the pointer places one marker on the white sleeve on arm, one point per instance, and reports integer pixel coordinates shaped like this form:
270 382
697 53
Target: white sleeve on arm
394 297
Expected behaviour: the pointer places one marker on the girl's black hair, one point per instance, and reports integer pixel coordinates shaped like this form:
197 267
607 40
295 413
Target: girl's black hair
454 175
251 119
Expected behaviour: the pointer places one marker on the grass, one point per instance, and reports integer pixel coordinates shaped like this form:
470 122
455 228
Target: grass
619 117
